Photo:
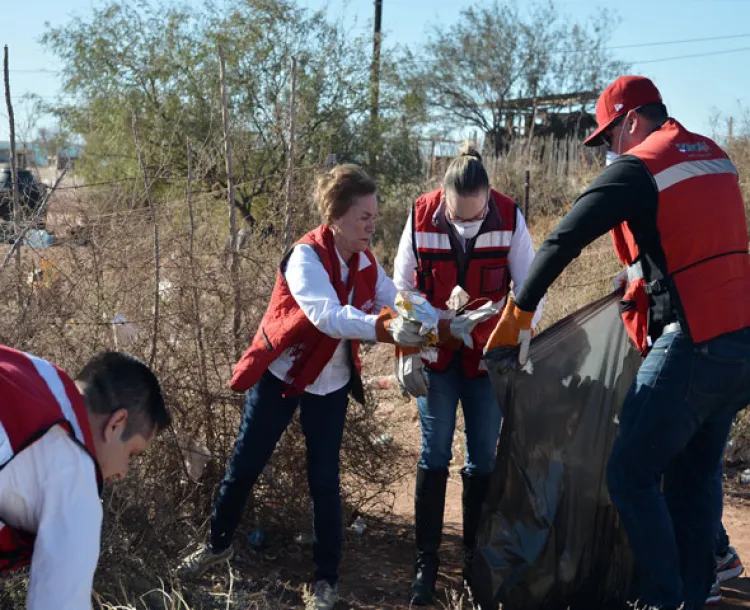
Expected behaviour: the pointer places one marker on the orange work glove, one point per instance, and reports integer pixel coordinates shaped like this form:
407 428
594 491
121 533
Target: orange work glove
385 317
513 328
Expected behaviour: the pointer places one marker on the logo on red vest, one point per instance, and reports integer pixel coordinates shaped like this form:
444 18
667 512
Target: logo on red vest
693 147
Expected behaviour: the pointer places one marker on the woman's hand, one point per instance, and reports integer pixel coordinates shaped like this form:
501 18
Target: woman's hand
457 331
392 328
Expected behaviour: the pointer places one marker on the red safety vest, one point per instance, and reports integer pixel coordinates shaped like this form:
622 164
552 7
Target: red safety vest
481 269
35 395
703 235
285 326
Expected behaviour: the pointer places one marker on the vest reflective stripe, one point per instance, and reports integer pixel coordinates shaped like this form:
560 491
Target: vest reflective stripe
692 169
635 272
54 383
6 449
433 241
493 239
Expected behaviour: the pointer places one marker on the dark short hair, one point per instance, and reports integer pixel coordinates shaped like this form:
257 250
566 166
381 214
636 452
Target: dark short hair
114 381
466 174
656 112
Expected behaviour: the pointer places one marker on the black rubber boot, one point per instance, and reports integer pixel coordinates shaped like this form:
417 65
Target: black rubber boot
429 505
474 493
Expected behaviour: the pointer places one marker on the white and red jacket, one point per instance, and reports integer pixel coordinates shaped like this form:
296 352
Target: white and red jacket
701 267
35 396
286 329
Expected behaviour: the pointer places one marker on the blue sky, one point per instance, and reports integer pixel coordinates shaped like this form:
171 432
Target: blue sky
693 88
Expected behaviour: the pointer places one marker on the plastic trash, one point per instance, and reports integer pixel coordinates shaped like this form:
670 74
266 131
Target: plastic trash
38 238
358 527
304 539
383 439
256 538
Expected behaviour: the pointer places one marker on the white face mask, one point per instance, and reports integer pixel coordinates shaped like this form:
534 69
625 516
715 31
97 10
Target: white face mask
610 157
468 229
611 154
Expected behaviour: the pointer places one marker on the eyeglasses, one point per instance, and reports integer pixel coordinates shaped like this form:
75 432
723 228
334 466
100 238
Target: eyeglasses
607 135
480 216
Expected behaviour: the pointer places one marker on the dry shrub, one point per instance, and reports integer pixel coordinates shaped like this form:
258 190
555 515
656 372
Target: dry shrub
105 266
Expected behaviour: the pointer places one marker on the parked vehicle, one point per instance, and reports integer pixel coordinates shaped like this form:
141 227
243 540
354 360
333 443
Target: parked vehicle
31 195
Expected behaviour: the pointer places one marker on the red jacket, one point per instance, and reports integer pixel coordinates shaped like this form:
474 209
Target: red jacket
703 237
35 395
481 269
285 326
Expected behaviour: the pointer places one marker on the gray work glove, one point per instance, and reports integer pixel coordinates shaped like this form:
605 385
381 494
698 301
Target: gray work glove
406 332
410 372
462 325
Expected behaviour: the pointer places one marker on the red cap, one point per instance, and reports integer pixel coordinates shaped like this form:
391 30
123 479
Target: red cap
622 96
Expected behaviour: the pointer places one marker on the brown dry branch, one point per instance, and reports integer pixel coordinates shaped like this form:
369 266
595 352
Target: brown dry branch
233 244
154 219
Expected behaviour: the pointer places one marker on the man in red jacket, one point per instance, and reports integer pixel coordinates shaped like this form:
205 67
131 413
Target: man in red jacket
59 441
672 201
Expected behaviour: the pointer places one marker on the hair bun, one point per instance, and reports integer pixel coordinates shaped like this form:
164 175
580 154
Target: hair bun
467 150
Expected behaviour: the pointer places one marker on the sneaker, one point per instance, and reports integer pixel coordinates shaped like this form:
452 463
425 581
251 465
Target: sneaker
714 595
324 596
203 558
729 566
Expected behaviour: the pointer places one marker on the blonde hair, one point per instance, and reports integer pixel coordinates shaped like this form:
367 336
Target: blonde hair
466 174
336 189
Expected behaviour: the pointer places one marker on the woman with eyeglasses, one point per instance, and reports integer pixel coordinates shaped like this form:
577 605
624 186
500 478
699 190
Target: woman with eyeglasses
470 235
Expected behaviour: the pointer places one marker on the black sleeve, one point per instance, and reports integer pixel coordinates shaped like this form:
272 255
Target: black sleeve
624 191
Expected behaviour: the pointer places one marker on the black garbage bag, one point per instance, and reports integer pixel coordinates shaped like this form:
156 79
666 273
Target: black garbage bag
550 538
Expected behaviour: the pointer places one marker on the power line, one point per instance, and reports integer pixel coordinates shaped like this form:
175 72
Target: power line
35 70
624 46
685 40
693 56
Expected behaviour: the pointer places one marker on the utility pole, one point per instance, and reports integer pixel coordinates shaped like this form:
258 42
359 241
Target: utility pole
14 179
375 85
290 160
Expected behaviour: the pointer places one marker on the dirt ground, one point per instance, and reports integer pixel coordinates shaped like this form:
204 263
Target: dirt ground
377 566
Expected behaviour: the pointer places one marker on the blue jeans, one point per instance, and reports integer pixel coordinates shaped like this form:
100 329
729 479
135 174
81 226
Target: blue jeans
437 415
264 419
674 425
722 538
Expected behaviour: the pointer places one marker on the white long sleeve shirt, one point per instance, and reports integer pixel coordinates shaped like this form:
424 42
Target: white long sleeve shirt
311 287
520 255
50 489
